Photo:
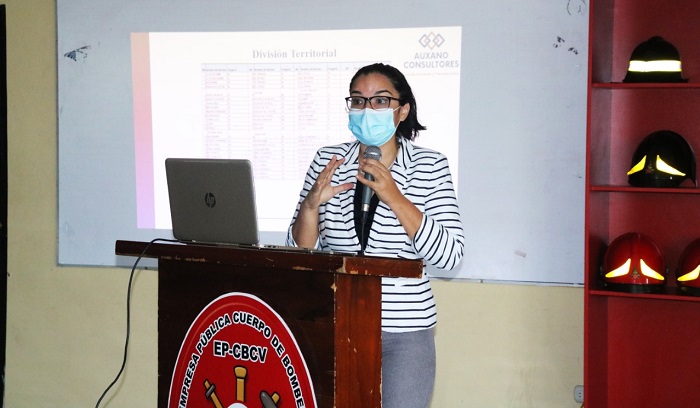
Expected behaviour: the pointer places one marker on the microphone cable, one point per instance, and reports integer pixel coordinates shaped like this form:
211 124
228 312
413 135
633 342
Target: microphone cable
128 316
363 241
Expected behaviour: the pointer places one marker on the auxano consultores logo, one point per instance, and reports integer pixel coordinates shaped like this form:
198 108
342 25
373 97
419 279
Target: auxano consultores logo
239 353
432 56
431 40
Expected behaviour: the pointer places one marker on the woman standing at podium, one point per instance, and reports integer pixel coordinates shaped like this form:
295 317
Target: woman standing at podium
412 214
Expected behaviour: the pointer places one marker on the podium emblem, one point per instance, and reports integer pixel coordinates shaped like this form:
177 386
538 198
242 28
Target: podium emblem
239 353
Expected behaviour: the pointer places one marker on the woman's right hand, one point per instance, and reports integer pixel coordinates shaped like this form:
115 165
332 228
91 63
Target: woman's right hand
305 228
322 190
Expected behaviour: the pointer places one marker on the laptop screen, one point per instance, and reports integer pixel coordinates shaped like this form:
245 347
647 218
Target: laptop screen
212 200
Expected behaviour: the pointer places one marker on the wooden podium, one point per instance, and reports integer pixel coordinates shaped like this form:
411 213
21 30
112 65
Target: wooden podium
330 302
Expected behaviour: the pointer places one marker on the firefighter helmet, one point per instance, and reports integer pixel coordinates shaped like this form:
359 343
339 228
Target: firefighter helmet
634 263
688 271
655 60
663 159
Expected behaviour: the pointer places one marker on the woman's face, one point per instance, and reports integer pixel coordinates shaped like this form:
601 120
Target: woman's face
375 84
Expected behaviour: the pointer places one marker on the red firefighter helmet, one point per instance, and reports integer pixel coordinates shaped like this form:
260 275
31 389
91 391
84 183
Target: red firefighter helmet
634 263
689 268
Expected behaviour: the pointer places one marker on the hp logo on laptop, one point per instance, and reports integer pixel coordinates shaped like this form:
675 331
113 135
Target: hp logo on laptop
210 200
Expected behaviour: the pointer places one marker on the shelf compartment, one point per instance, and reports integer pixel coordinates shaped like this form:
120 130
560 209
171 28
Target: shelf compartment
620 118
670 220
617 27
641 365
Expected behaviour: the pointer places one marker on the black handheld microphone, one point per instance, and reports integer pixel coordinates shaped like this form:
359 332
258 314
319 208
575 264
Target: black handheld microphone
375 153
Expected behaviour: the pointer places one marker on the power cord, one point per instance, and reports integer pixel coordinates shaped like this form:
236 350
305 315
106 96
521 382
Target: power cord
128 316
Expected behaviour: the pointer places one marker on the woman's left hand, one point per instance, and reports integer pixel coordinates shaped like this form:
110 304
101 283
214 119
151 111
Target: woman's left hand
383 185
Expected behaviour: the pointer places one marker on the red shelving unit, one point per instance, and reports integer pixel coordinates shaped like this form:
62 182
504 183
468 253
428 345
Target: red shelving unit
641 350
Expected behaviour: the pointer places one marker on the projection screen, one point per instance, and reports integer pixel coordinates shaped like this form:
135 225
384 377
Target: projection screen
500 86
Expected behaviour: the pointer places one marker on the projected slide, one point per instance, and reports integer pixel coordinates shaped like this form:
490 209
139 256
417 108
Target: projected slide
274 98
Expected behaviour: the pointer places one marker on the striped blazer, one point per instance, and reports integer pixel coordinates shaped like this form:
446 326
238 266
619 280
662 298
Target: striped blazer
423 176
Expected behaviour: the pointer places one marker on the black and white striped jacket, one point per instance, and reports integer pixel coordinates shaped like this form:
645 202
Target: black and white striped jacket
423 176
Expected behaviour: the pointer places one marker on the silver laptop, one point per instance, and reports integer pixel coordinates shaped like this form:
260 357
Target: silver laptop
212 201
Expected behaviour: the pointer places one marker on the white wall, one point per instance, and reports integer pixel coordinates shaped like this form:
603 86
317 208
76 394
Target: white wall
498 345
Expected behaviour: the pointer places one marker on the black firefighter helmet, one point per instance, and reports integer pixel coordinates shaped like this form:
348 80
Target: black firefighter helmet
663 159
655 60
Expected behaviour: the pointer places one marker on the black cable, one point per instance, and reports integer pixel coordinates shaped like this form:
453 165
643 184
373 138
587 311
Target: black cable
363 241
128 316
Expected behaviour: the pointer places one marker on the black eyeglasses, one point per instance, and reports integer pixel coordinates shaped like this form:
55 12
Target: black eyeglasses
375 102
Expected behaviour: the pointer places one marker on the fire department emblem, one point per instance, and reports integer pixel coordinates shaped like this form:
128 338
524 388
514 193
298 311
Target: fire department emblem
239 353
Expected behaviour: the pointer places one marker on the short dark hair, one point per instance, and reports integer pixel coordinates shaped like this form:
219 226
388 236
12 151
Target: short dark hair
410 127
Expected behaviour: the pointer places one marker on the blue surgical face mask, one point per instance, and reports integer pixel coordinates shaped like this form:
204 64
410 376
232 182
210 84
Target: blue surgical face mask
372 127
